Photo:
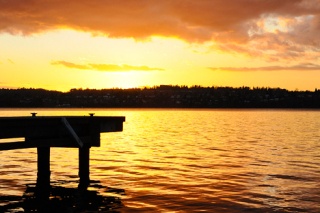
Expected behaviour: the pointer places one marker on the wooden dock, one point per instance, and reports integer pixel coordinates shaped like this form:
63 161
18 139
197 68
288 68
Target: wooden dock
43 132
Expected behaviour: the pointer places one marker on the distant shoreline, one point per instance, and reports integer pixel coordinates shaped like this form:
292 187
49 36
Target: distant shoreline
162 108
164 96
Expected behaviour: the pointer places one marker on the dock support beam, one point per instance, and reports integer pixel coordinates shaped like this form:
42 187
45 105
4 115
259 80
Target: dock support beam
43 176
84 172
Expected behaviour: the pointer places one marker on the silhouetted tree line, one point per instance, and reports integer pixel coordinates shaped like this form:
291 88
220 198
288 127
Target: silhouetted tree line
163 96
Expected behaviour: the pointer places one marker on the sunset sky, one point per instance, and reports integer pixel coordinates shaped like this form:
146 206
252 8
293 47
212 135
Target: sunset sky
59 45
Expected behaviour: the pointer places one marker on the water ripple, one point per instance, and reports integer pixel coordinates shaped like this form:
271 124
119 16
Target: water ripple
196 161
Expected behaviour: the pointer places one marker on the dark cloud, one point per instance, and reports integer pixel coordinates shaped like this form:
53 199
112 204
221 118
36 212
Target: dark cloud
105 67
242 26
300 67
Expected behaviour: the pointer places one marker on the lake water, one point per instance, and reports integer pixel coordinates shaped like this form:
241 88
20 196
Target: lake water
189 160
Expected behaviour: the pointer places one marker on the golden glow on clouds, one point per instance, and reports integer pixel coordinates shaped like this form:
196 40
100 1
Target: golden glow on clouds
301 67
105 67
58 45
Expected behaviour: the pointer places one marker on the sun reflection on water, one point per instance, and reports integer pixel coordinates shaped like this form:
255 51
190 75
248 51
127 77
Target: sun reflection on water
194 160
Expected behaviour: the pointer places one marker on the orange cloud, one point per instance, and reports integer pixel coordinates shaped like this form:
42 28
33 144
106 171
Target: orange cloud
233 25
105 67
300 67
70 65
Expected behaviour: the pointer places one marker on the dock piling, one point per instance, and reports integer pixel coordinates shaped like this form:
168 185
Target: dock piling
84 164
43 175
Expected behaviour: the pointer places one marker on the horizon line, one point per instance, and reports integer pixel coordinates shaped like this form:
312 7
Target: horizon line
158 86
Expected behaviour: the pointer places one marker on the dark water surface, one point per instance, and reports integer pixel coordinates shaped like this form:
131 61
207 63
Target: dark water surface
187 161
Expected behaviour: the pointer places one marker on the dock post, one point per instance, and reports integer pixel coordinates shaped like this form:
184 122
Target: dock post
43 176
84 172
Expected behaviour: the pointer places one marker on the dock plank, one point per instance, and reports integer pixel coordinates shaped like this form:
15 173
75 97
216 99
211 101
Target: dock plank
52 131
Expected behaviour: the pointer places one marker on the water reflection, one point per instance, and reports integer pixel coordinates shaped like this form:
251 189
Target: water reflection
97 198
192 161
